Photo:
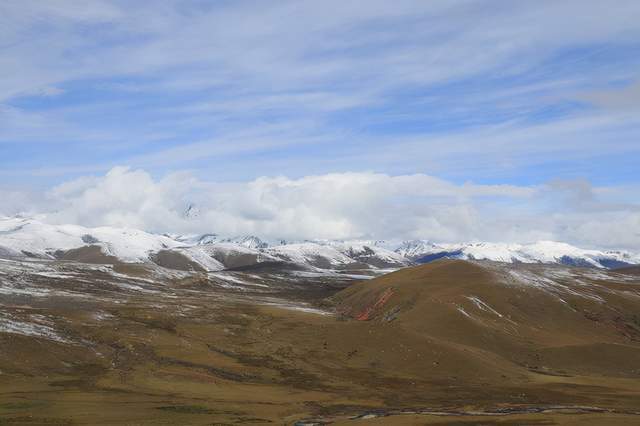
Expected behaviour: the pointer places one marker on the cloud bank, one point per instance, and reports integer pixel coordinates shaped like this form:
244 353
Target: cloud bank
345 206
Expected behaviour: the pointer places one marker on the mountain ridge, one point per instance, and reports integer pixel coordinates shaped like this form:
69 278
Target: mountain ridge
29 237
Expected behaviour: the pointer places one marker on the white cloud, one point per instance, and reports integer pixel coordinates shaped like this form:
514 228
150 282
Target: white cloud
18 202
350 205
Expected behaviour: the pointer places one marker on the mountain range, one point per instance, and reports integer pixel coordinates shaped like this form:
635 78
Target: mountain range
33 238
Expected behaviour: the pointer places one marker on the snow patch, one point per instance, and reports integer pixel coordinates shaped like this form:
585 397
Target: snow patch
14 326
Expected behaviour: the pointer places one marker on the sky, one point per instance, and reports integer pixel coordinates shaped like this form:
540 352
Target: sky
442 120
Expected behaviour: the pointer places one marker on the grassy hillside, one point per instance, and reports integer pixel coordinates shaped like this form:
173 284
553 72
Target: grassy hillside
452 337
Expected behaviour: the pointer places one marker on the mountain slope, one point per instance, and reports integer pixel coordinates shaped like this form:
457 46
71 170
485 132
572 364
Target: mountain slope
549 319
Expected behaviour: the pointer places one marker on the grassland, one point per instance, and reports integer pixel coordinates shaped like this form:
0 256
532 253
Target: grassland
195 353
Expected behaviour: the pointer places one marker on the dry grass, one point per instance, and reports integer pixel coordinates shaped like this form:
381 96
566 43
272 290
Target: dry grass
198 359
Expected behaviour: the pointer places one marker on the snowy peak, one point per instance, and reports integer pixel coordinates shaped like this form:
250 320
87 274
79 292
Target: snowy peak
34 238
191 212
207 239
20 237
371 252
539 252
249 241
415 248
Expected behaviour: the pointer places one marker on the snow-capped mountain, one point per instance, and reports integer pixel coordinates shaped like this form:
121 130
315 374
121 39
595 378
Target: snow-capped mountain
227 255
28 237
192 211
412 249
540 252
317 255
370 252
249 241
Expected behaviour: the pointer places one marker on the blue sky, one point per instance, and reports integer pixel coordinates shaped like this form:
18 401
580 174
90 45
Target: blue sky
490 91
523 93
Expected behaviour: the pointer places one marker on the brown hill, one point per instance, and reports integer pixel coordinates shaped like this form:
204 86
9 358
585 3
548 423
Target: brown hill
88 254
549 319
630 270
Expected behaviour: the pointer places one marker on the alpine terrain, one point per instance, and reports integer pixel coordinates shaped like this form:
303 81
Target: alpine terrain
120 326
